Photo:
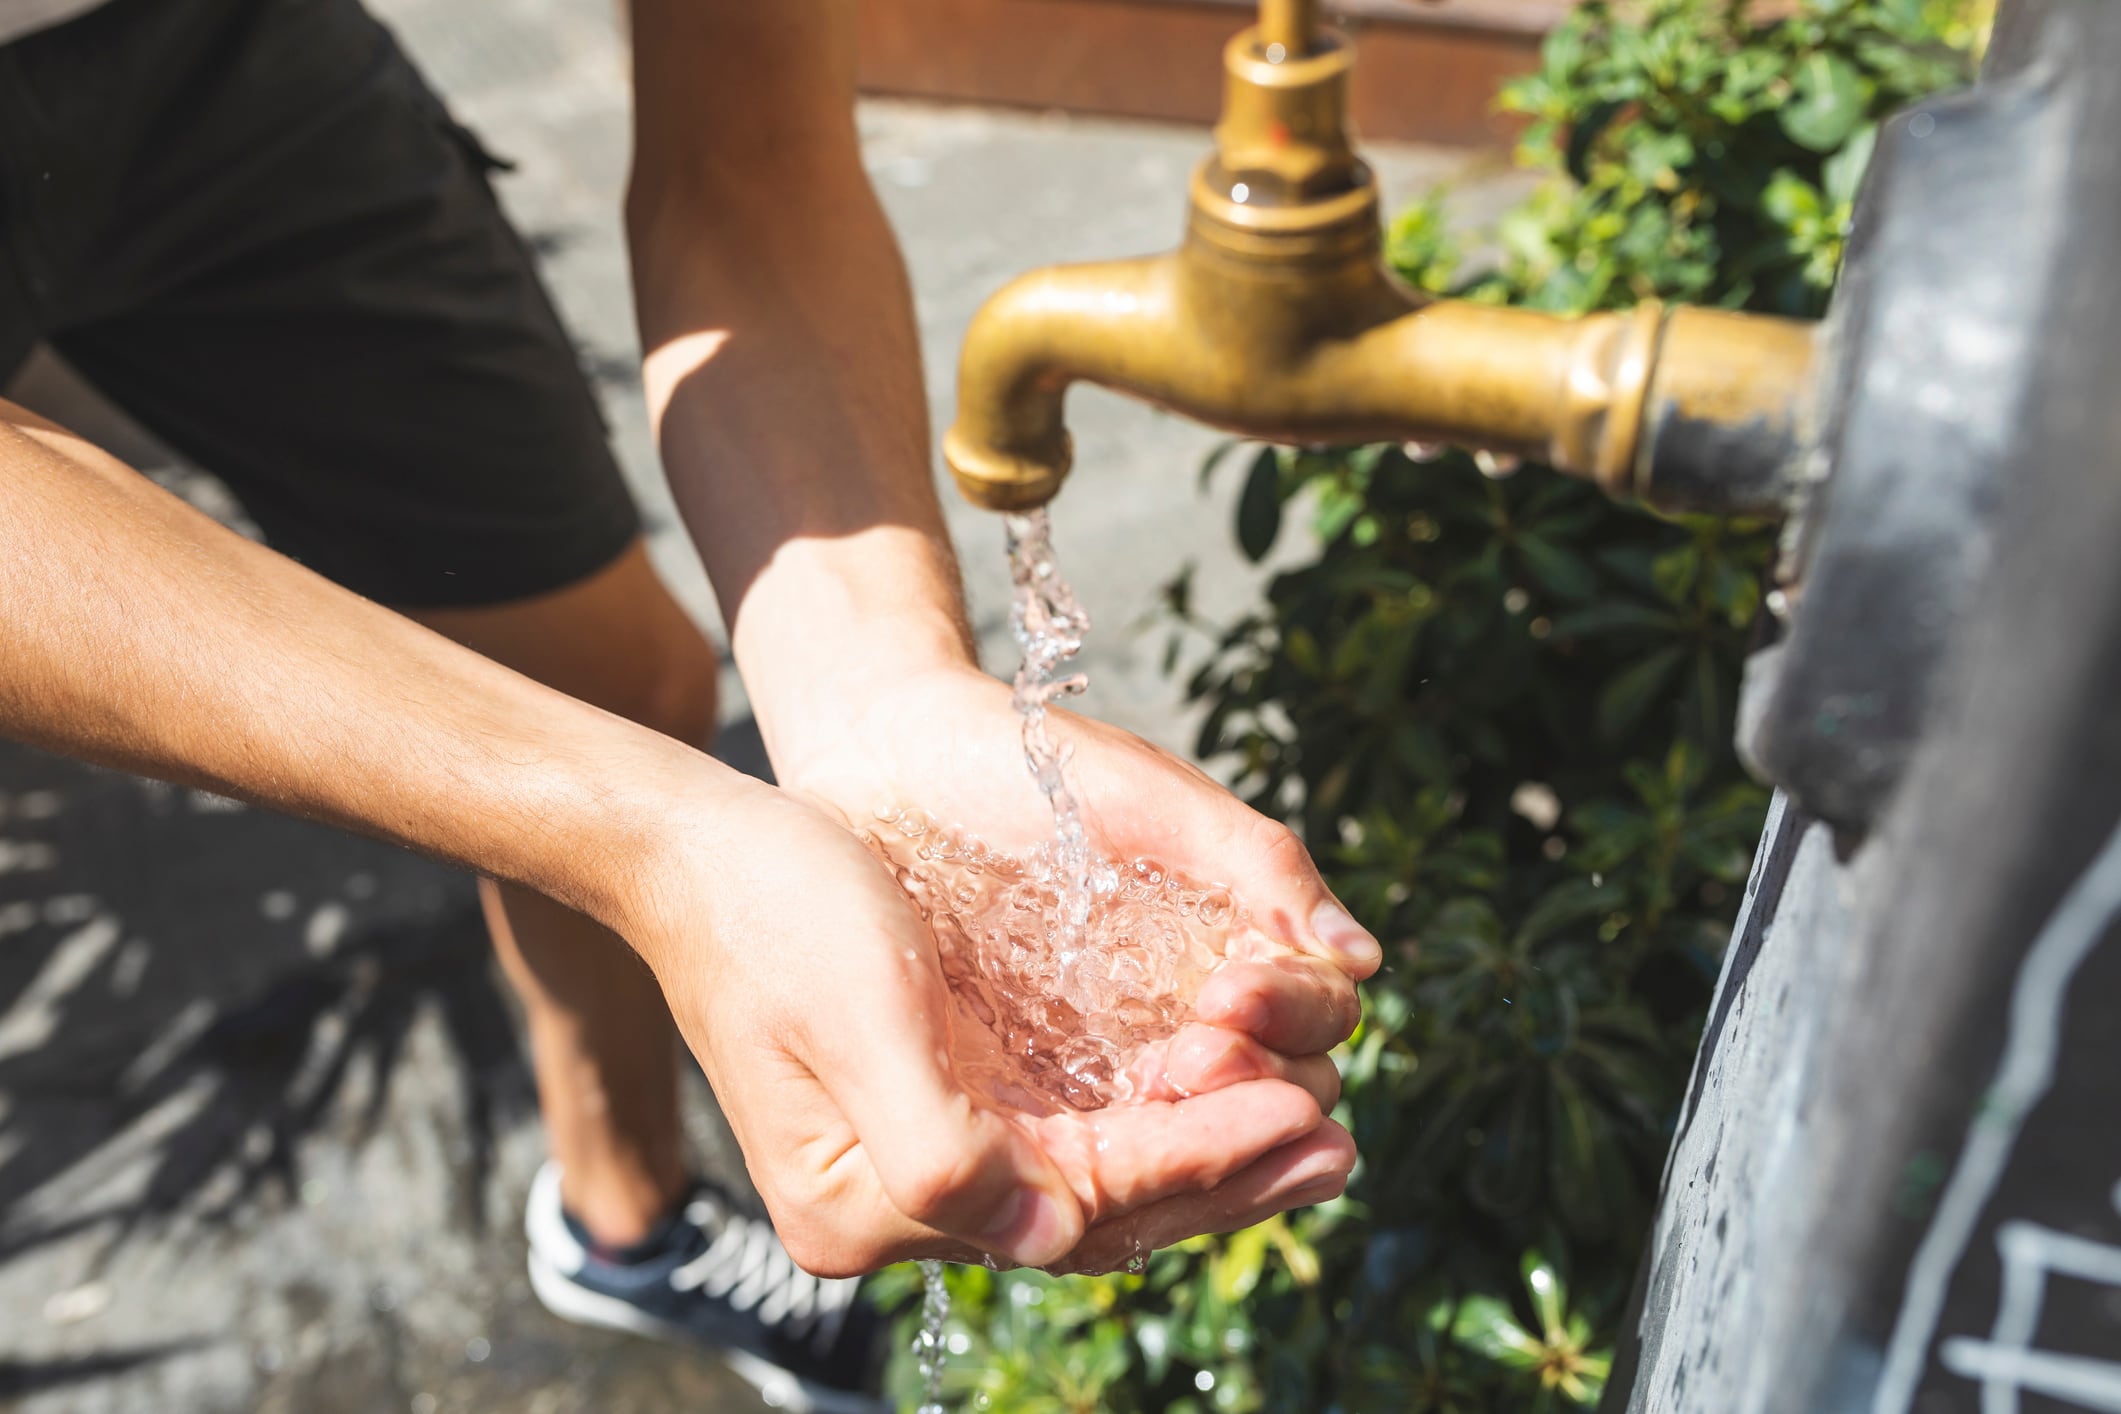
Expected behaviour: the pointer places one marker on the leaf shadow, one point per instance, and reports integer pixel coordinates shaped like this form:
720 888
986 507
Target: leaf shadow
190 991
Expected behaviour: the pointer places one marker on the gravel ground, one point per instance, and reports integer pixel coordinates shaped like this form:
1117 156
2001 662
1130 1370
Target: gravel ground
265 1124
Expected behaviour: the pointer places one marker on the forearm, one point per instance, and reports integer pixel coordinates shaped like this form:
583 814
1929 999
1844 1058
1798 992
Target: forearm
137 633
782 359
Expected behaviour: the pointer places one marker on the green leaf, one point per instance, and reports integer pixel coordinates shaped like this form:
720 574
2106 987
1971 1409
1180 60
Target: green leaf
1562 573
1549 1297
1843 172
1827 102
1572 901
1214 459
1259 506
1486 1326
1675 572
1237 1270
1611 616
1584 132
1791 201
1631 692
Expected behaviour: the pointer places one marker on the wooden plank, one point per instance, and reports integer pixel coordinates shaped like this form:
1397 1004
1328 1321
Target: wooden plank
1428 72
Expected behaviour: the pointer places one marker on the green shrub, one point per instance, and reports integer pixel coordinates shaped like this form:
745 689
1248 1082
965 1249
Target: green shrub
1500 709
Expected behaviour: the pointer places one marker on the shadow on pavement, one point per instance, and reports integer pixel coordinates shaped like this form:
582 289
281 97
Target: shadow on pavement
189 989
20 1378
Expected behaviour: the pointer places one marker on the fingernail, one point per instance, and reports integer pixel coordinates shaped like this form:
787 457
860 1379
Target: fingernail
1348 940
1029 1229
1321 1191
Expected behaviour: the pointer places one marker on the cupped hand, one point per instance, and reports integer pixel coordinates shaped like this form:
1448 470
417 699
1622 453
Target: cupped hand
948 740
806 984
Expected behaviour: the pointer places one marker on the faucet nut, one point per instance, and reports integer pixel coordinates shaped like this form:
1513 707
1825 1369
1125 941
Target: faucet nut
1002 479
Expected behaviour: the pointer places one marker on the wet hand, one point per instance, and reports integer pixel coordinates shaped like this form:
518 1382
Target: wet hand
948 740
807 985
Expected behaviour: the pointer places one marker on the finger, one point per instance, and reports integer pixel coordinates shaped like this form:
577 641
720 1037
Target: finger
1309 1170
1203 1058
1295 1005
945 1162
846 1225
1132 1155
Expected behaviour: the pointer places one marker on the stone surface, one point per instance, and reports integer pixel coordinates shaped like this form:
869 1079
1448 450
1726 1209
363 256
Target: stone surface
265 1125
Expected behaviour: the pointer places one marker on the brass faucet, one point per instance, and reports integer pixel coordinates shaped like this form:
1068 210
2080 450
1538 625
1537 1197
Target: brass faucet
1277 319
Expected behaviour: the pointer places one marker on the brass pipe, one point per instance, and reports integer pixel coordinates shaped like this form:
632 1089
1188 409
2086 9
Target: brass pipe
1288 24
1276 318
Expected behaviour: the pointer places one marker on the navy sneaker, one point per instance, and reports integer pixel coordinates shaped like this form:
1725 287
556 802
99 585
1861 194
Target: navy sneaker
714 1277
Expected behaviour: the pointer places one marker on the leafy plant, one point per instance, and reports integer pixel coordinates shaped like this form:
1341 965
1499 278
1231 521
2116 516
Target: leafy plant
1500 709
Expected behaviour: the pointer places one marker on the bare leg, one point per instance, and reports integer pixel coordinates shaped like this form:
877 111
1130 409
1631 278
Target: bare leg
601 1040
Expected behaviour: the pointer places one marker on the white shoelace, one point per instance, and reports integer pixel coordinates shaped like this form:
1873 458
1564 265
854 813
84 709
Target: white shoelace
746 1265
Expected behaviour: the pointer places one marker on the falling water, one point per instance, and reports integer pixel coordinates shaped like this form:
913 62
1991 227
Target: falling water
1066 971
1041 1021
1049 627
928 1346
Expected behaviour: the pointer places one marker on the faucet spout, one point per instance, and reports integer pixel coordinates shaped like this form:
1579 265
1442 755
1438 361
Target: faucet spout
1101 323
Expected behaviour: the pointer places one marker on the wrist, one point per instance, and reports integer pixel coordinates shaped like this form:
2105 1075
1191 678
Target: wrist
835 625
627 812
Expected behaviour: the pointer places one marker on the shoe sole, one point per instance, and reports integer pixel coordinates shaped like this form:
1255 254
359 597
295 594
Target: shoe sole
781 1389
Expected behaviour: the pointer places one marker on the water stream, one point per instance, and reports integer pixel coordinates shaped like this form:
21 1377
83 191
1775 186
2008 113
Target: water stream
1049 626
928 1346
1067 971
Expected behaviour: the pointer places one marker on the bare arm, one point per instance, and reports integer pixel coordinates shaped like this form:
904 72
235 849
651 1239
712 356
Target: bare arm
783 366
136 632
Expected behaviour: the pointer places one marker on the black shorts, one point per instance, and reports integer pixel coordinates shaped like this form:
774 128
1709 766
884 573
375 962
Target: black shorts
252 225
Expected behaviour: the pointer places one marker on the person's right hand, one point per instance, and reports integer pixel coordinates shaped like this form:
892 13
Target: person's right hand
806 984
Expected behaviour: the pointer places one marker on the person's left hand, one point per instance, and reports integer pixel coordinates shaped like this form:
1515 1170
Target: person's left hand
948 741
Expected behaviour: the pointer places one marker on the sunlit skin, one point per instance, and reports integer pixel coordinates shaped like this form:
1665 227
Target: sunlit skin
783 377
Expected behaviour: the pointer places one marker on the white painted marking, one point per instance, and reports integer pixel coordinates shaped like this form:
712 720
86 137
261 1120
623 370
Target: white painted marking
2076 1379
2026 1072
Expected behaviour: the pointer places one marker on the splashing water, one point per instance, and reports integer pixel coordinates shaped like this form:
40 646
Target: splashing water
1040 1020
1049 627
928 1347
1067 972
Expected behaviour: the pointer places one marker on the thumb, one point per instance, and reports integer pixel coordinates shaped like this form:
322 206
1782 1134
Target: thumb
942 1159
